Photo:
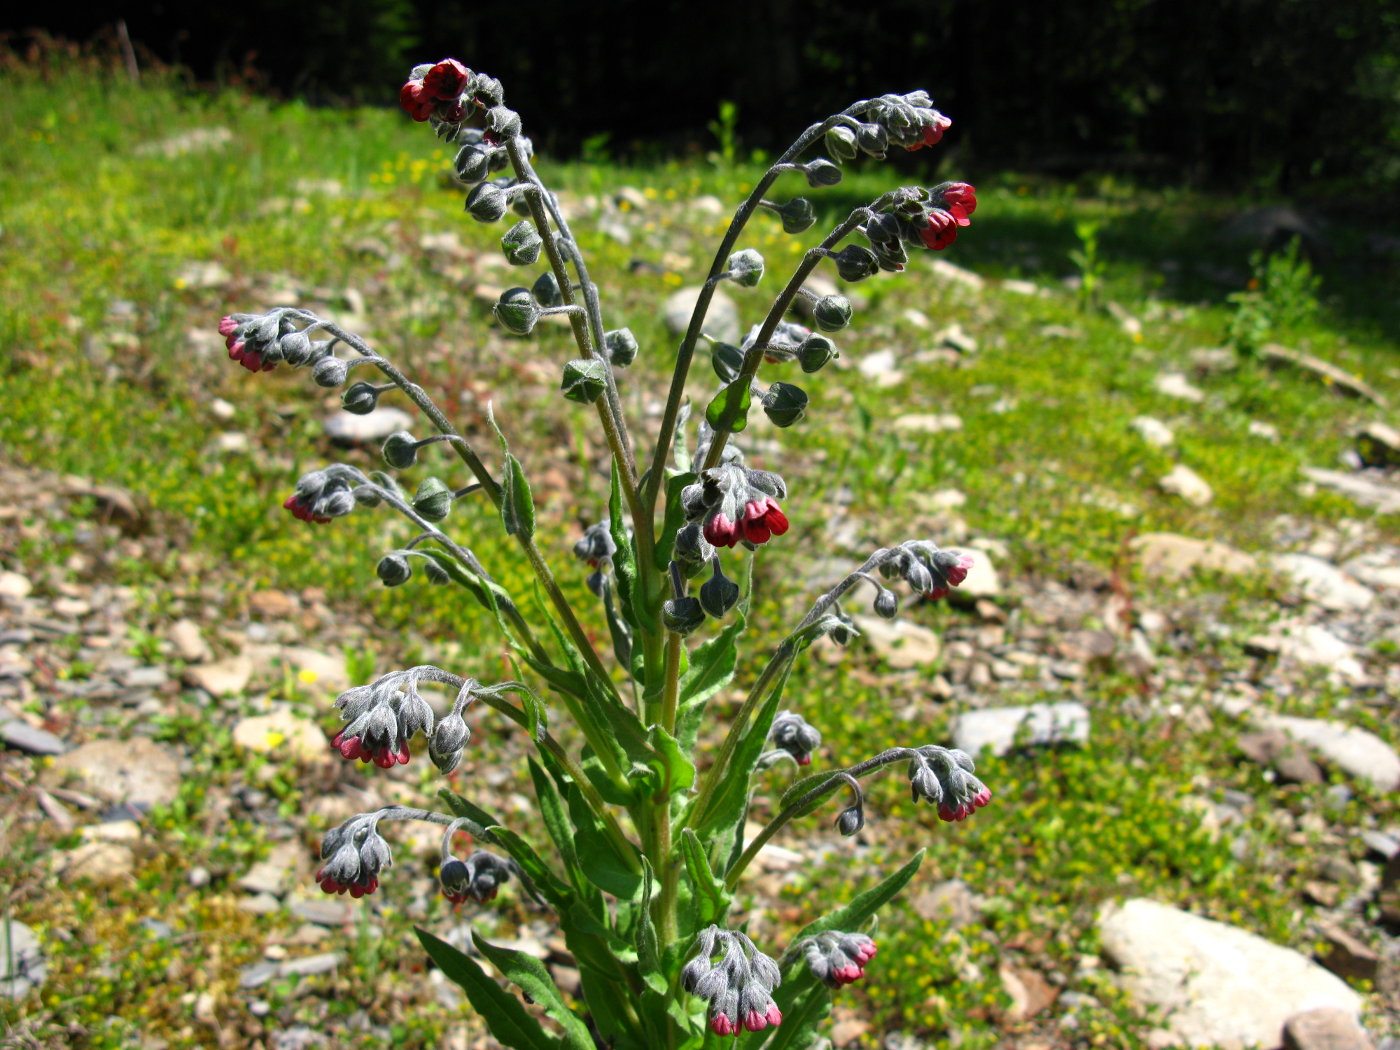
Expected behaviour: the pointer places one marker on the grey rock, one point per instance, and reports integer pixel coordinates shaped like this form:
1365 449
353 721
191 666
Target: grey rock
1357 752
1175 384
1274 748
999 729
257 975
144 678
22 964
1381 842
189 643
323 911
1185 483
950 904
1310 645
1335 378
1324 1028
721 320
346 428
1153 431
902 644
1216 984
1347 956
1168 554
310 965
952 273
14 585
138 770
1365 490
276 874
1323 583
929 423
227 677
982 582
25 737
954 337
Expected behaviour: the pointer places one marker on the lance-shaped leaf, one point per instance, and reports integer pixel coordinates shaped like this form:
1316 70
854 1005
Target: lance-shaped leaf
709 901
500 1010
517 504
631 603
675 518
730 403
529 975
711 669
854 915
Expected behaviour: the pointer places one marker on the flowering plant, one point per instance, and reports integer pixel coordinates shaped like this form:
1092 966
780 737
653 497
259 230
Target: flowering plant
649 845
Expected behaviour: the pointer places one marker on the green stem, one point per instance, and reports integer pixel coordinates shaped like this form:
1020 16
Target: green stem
671 696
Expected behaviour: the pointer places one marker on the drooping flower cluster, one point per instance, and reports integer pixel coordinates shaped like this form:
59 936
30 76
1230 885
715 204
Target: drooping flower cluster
909 120
738 985
381 718
259 341
927 568
793 734
736 504
320 496
836 958
952 203
354 855
478 878
436 90
943 777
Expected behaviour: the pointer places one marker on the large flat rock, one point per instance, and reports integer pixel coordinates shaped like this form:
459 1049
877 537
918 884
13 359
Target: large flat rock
1216 985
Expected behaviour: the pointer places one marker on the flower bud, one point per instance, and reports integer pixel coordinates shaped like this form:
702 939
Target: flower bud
517 311
682 615
821 172
521 244
330 371
746 268
797 215
436 574
400 450
584 380
367 495
487 90
719 593
621 347
393 570
294 348
447 742
871 139
360 398
727 360
832 312
432 500
855 262
785 404
486 202
502 124
886 604
336 503
841 143
815 352
850 821
473 163
796 736
546 290
692 550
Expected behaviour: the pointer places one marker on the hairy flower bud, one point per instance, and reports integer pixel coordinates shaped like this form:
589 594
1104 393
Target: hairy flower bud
360 398
584 380
841 143
746 268
719 593
727 361
621 347
330 371
473 163
393 570
738 985
546 290
478 878
837 958
886 604
797 215
815 352
486 202
400 450
521 244
872 139
682 615
433 500
517 311
821 172
448 741
502 124
692 550
850 821
832 312
785 404
792 733
855 263
294 348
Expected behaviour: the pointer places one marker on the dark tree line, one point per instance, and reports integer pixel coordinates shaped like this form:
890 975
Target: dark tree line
1243 92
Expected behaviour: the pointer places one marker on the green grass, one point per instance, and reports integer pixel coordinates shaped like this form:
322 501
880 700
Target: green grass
103 378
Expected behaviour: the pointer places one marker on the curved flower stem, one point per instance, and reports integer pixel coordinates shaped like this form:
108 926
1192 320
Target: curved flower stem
468 455
770 324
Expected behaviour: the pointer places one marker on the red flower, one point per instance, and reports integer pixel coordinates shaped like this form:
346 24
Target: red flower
942 229
383 756
932 132
962 810
446 81
763 520
416 102
302 512
330 884
960 199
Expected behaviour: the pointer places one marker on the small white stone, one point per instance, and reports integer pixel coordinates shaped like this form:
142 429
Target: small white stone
1153 431
1175 384
1185 483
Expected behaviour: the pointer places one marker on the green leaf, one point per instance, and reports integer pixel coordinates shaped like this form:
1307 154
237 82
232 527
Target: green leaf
607 868
541 878
808 783
708 898
670 761
561 830
675 518
500 1010
460 807
805 1003
711 669
648 949
731 403
855 914
517 504
630 602
529 975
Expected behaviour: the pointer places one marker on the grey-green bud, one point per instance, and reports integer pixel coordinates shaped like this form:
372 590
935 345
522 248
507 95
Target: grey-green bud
850 821
821 172
719 593
437 575
360 398
295 348
621 346
832 312
393 570
502 123
746 268
855 262
871 138
785 404
517 311
814 353
584 380
473 163
433 499
486 202
841 142
546 290
682 615
797 215
886 604
727 360
692 550
521 244
330 371
400 450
